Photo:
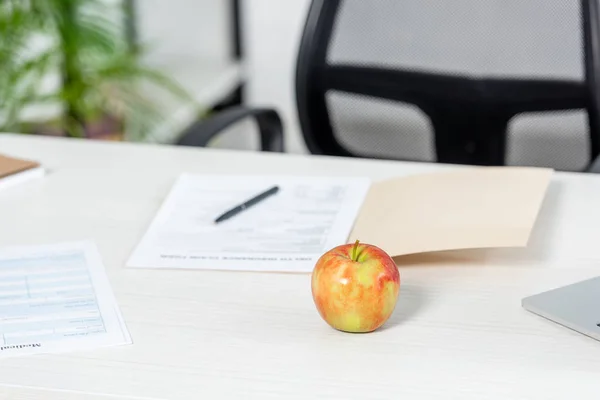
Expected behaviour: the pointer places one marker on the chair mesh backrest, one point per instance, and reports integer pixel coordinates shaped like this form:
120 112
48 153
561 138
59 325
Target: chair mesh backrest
479 38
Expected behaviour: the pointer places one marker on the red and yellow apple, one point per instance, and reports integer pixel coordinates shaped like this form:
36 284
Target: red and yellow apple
355 287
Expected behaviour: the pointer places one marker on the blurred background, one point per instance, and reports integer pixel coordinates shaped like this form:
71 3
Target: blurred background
144 70
155 70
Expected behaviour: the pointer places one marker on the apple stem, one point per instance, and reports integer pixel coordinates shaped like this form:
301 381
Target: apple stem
355 251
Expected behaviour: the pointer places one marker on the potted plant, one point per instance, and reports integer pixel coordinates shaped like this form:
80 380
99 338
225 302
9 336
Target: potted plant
73 56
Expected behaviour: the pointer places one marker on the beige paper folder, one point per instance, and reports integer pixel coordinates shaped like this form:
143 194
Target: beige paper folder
11 166
14 171
470 208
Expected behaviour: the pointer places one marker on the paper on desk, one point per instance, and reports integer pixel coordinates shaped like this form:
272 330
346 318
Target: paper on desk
56 298
479 207
14 171
285 233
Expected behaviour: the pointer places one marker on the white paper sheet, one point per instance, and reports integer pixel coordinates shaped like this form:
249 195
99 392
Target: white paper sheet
56 298
22 177
287 232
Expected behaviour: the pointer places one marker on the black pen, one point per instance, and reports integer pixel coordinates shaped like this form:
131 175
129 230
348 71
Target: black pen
249 203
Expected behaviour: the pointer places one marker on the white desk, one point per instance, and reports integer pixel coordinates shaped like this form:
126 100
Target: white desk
458 331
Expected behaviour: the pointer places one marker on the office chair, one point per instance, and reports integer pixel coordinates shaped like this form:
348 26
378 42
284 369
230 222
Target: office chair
478 82
483 82
269 124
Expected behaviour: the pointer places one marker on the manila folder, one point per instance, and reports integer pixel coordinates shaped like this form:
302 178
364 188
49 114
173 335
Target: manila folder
474 207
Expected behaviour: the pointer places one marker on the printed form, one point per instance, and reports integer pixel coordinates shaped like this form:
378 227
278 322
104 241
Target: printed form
287 232
56 298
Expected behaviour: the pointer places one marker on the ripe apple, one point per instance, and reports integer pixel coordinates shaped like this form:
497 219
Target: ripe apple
355 287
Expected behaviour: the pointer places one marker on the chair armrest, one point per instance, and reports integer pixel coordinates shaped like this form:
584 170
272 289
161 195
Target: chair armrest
269 124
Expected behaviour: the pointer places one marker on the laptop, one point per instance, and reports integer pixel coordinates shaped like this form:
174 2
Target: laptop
575 306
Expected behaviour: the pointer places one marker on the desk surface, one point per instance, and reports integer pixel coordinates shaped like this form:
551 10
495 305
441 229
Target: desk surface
458 331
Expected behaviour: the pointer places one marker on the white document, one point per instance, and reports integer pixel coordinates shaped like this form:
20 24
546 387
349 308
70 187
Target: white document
22 177
56 298
287 232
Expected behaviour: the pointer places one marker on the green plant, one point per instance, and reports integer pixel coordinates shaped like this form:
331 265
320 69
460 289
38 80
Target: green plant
83 44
